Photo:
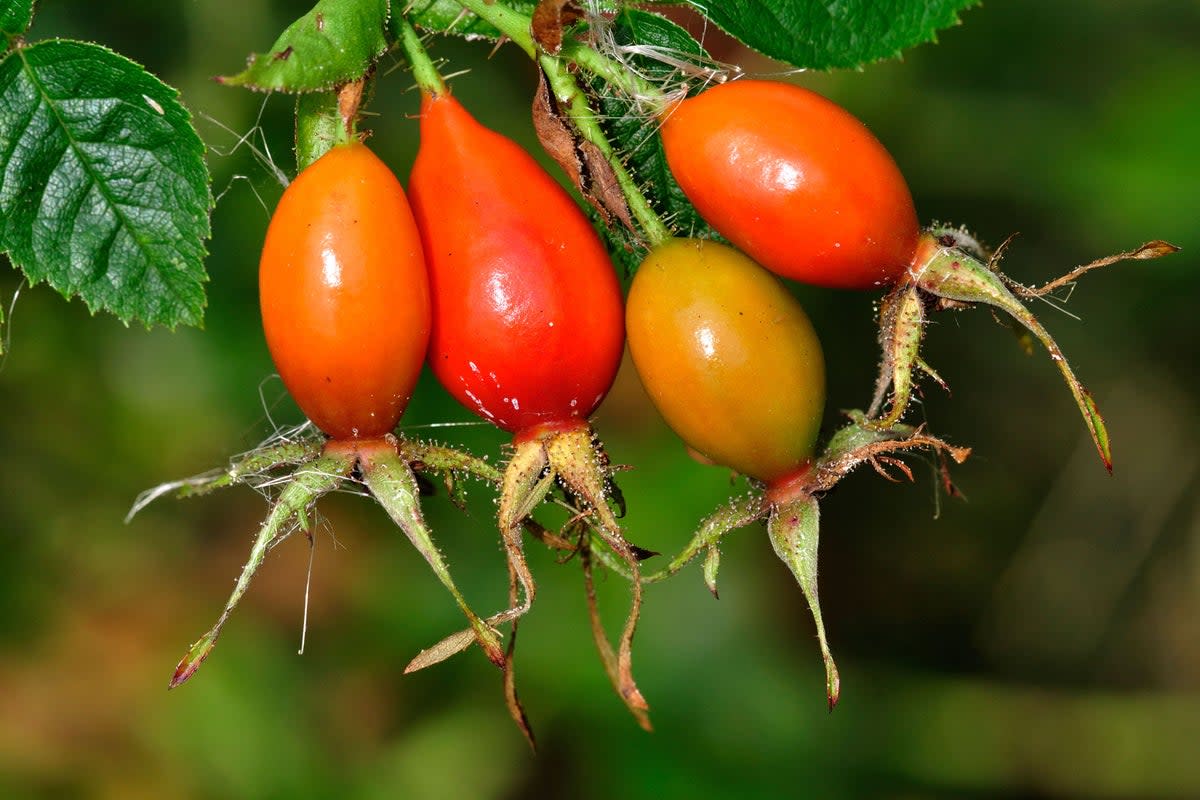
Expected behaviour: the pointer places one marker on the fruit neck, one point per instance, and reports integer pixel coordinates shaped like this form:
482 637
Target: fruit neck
940 250
360 447
790 486
927 250
547 430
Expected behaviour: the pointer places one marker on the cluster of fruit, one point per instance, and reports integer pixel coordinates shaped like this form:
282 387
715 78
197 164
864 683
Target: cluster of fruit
497 279
489 272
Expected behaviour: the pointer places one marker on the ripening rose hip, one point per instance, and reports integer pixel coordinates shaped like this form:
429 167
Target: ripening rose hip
345 294
527 312
528 328
728 356
795 181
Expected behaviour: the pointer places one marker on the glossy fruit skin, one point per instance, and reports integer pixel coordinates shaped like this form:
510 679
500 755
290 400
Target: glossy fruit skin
728 356
345 294
795 181
527 312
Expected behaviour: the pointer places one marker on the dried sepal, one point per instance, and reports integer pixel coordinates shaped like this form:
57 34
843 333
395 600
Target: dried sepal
511 699
571 457
1154 249
586 165
578 461
945 271
951 270
860 441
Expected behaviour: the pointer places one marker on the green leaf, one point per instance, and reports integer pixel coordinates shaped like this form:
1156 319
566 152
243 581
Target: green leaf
103 188
630 134
336 42
447 16
832 34
15 16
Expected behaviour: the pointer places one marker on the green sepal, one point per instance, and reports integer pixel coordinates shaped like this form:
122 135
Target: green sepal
244 469
793 527
392 483
952 273
304 488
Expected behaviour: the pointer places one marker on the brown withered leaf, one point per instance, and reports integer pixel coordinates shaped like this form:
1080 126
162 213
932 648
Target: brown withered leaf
585 164
553 132
604 191
511 699
550 18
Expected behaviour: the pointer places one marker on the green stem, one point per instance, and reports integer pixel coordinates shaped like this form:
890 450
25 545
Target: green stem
510 22
516 26
616 74
318 126
423 69
567 90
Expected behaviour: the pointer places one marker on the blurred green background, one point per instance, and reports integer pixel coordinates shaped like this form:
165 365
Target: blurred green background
1037 640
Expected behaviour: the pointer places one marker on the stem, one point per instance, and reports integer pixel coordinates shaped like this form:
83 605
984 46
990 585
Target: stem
616 74
567 90
508 21
516 26
319 126
423 69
